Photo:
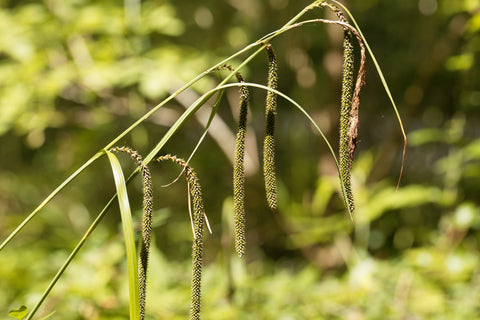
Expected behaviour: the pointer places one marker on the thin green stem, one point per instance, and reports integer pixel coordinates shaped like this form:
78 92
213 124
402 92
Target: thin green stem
50 197
70 259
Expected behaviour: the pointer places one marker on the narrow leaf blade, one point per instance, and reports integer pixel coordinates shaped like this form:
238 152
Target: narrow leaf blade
127 225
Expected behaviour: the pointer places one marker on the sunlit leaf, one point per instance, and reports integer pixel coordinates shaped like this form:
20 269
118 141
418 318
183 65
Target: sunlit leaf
18 313
427 135
128 235
461 62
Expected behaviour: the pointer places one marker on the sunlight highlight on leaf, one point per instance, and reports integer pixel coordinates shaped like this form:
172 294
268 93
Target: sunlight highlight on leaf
18 313
127 225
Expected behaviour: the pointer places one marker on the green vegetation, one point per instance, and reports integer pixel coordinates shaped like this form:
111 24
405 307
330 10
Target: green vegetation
82 78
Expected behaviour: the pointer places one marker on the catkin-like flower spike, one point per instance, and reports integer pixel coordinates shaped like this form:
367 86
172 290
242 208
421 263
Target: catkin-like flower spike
238 168
239 174
346 153
269 142
198 221
146 224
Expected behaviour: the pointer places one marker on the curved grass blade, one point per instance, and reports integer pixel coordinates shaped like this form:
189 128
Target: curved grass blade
286 97
146 224
127 225
263 42
172 130
385 86
351 116
204 134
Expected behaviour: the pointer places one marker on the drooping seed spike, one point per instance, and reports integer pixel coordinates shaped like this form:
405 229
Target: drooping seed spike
239 174
269 142
146 224
346 121
195 192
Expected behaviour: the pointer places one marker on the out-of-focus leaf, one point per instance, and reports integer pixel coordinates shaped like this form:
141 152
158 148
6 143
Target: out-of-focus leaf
456 265
474 23
472 150
461 62
168 24
18 313
325 189
423 136
387 198
466 216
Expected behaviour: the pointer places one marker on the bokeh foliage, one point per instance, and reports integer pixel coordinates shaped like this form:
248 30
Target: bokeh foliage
74 74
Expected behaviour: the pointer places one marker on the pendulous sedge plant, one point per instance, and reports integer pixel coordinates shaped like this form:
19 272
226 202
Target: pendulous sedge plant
349 119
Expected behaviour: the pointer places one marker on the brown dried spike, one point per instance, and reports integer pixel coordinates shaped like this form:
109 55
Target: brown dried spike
353 121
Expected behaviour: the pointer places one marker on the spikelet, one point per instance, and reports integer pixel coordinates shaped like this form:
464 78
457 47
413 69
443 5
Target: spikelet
346 151
197 245
269 142
350 102
239 173
146 224
238 168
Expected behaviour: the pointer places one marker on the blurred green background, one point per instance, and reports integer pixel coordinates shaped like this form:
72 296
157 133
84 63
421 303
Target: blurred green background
74 74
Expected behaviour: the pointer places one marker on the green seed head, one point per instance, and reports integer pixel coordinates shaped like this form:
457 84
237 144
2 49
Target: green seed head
198 222
346 158
239 175
269 143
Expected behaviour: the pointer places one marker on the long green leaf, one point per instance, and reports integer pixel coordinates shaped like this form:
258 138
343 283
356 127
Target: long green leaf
262 42
127 224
